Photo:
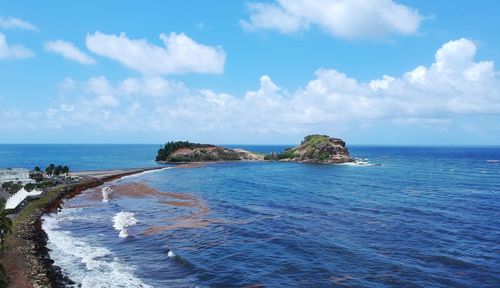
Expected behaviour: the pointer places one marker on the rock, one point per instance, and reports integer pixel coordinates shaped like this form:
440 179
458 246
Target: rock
318 149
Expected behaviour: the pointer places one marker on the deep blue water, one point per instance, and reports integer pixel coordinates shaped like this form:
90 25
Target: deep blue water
428 217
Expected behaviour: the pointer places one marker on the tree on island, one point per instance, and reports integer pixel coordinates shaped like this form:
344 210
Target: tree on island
5 222
50 169
37 169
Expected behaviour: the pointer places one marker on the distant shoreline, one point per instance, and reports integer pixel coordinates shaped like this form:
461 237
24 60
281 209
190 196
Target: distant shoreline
25 257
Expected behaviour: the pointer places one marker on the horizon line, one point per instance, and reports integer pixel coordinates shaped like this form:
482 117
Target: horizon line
286 144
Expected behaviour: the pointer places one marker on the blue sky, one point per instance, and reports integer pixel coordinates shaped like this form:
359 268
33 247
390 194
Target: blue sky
256 72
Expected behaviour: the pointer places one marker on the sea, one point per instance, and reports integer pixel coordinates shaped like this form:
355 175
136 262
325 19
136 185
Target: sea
399 217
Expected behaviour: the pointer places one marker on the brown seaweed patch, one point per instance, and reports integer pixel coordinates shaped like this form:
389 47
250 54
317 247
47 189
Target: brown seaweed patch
178 203
178 195
182 224
91 194
134 190
195 216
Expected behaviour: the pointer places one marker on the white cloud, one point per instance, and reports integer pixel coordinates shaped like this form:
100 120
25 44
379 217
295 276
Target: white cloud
180 54
69 51
417 75
436 95
16 23
344 19
382 83
13 51
271 16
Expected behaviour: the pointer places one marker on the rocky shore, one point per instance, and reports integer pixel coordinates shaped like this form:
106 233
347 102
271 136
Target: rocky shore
25 258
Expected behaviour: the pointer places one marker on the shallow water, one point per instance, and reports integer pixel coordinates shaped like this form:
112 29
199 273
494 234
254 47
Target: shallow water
426 217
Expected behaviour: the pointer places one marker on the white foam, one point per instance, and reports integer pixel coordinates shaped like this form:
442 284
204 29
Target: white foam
360 162
85 262
143 173
122 220
106 190
170 254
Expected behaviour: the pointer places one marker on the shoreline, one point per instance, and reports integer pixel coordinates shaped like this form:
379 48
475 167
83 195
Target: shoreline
26 258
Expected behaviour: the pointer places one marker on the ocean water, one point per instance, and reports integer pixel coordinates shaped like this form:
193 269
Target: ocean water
81 157
78 157
424 217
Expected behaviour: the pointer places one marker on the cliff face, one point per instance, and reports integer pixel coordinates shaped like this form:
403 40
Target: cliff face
193 152
318 149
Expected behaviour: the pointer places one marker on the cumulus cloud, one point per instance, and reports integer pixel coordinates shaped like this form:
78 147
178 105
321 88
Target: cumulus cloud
16 23
180 54
13 51
344 19
69 51
436 95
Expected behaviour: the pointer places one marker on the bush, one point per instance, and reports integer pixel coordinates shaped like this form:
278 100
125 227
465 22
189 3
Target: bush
29 186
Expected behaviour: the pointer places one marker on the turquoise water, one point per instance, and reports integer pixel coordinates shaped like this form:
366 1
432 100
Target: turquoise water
427 217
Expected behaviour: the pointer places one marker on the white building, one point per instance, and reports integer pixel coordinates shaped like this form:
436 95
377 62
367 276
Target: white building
16 175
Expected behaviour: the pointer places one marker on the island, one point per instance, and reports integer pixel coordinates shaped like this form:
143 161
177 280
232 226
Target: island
184 151
316 149
313 149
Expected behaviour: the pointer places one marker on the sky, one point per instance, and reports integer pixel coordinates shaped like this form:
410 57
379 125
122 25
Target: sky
384 72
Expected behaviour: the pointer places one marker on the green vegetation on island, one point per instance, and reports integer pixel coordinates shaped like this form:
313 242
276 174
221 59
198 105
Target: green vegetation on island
184 151
313 149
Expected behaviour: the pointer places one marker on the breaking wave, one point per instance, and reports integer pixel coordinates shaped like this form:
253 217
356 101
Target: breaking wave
106 190
86 263
361 162
170 254
122 220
